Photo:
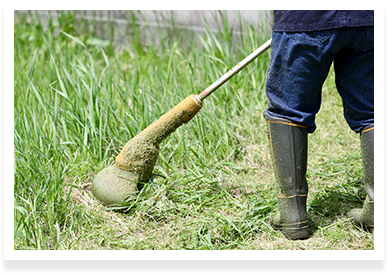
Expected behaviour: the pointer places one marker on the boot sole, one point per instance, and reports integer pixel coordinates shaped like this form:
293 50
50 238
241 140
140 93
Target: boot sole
294 231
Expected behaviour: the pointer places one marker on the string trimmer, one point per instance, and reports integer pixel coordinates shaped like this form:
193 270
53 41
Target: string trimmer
137 159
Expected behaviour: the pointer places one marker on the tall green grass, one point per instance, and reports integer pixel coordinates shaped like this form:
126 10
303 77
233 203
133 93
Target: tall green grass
79 99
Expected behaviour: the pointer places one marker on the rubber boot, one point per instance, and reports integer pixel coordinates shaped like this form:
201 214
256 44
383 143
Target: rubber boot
288 143
365 216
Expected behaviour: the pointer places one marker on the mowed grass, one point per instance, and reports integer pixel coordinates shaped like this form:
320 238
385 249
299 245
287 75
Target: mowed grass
79 99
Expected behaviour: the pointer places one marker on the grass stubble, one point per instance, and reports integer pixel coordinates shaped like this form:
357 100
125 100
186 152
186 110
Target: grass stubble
78 101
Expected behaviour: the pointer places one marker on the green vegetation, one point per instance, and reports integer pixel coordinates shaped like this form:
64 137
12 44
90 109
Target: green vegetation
79 99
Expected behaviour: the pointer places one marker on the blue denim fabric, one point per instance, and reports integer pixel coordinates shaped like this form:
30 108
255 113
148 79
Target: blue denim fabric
300 62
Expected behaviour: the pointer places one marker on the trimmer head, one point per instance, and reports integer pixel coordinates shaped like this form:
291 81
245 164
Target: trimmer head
137 159
113 185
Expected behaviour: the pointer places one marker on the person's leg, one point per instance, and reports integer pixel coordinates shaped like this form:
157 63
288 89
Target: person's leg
354 69
298 67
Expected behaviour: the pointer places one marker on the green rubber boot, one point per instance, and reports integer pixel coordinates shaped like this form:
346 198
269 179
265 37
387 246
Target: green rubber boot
365 216
288 142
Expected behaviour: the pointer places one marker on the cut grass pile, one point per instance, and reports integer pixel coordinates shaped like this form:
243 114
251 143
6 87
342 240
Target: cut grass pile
79 99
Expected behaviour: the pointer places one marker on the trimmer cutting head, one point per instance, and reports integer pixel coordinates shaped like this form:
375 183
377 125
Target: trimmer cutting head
137 159
113 185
